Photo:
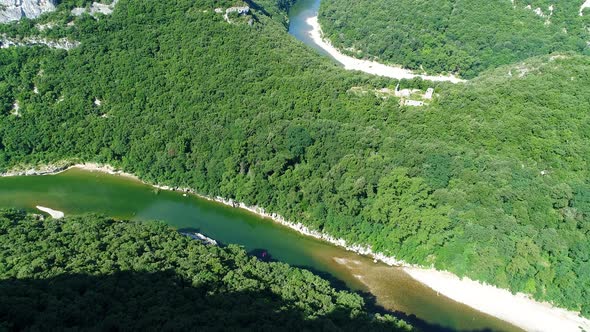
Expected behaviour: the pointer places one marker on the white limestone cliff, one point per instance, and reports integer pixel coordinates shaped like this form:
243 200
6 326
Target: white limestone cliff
14 10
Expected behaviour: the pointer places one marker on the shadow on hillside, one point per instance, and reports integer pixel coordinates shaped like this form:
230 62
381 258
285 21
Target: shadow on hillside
154 301
372 306
370 300
164 301
257 7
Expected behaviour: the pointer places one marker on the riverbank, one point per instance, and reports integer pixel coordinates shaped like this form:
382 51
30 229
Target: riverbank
60 167
517 310
585 5
369 67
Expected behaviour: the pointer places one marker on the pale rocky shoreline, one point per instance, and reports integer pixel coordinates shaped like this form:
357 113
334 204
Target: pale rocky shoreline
369 67
61 167
519 310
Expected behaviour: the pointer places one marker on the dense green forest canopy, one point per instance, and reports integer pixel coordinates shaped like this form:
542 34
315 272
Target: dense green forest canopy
91 272
491 180
456 36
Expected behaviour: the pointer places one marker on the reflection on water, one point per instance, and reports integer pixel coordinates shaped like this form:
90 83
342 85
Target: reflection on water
77 191
299 28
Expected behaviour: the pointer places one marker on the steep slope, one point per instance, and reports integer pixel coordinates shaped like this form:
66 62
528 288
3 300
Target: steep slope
457 36
490 180
95 273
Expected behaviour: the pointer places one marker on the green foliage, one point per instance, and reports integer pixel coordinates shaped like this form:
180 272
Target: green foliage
457 36
413 223
490 180
91 272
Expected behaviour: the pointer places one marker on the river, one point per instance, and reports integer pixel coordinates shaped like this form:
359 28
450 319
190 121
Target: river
304 25
77 191
384 283
299 26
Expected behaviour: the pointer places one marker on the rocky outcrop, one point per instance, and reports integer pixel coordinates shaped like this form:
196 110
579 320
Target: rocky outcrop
63 43
14 10
95 8
240 10
245 10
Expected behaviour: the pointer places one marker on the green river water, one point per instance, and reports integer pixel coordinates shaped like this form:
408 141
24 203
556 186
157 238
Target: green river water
77 191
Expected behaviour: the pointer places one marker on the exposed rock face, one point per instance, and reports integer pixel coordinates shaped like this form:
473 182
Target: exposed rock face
240 10
14 10
95 8
63 43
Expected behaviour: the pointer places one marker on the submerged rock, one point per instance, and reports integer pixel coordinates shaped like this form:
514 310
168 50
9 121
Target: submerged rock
202 238
14 10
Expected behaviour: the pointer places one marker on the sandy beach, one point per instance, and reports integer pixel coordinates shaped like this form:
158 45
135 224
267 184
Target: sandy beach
55 214
518 309
369 67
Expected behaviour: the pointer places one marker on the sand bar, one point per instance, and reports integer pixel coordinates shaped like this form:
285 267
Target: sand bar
55 214
516 309
369 67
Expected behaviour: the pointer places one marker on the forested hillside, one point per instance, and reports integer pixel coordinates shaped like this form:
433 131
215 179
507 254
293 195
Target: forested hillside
455 36
95 273
490 180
